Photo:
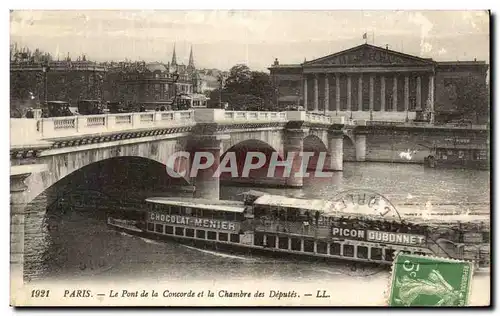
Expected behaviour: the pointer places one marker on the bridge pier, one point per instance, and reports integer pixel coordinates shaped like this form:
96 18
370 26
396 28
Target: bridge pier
360 143
293 147
207 182
206 141
17 210
336 149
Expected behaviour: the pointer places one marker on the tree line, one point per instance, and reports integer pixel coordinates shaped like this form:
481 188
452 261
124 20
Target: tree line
244 89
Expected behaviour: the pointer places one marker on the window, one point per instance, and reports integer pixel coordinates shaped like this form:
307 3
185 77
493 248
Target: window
389 255
321 247
258 239
460 154
235 238
169 230
335 249
348 250
223 236
189 232
188 211
200 234
283 242
376 254
179 231
211 235
219 215
271 241
362 252
175 210
159 228
296 244
151 227
309 245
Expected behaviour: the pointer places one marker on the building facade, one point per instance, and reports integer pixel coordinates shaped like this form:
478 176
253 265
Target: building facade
370 82
140 82
32 82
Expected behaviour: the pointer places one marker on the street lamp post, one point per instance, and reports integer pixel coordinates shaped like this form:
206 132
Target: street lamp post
45 69
175 77
221 80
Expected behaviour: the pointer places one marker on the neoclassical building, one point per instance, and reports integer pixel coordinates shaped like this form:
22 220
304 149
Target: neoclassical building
371 82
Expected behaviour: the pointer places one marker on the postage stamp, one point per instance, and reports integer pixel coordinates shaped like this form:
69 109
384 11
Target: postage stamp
430 281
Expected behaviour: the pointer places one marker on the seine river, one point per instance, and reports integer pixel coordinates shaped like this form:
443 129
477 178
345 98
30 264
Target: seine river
80 245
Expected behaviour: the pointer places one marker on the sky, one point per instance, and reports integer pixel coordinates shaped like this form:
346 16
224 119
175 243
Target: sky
221 39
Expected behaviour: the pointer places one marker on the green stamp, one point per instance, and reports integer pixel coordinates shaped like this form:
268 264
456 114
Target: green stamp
430 281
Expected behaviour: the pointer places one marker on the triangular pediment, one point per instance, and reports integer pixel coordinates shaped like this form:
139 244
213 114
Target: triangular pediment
367 54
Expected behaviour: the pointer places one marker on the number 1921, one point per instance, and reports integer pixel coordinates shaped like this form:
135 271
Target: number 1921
40 293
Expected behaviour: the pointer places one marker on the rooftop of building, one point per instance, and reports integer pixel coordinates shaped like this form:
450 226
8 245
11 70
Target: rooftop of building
366 46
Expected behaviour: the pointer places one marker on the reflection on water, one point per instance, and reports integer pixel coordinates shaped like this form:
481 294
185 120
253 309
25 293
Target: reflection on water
78 244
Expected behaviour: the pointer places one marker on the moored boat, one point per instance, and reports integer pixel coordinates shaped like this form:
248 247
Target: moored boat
313 228
464 153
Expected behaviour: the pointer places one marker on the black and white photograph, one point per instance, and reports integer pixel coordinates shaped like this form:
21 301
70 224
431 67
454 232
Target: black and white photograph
250 158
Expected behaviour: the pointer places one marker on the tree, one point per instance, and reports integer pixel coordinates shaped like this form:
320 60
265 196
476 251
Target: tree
473 98
245 89
262 87
213 103
238 80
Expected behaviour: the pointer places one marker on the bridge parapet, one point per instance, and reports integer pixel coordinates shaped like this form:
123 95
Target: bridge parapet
324 119
223 116
57 127
30 131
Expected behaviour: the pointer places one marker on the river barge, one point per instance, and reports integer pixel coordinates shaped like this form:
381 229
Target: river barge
463 153
311 228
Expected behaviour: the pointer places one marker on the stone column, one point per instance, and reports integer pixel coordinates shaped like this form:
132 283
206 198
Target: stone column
294 144
407 95
327 94
360 147
336 149
419 93
206 180
360 93
372 84
382 94
305 93
316 94
395 94
349 93
337 93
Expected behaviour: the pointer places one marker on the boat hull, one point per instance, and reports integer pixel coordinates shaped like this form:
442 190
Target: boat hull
247 249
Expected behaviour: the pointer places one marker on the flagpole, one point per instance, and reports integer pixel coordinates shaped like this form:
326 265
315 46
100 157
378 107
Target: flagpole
373 37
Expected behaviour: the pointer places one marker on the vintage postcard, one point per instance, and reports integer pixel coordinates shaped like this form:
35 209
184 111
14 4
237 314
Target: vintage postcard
240 158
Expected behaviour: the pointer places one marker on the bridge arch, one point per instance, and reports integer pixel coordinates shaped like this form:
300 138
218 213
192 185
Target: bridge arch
63 169
313 143
241 150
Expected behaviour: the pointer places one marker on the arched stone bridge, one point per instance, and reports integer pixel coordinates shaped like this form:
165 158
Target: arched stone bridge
45 151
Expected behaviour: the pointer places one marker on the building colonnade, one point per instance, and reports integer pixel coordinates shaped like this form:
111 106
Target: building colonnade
329 92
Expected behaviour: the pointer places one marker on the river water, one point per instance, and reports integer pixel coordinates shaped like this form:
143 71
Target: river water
80 245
